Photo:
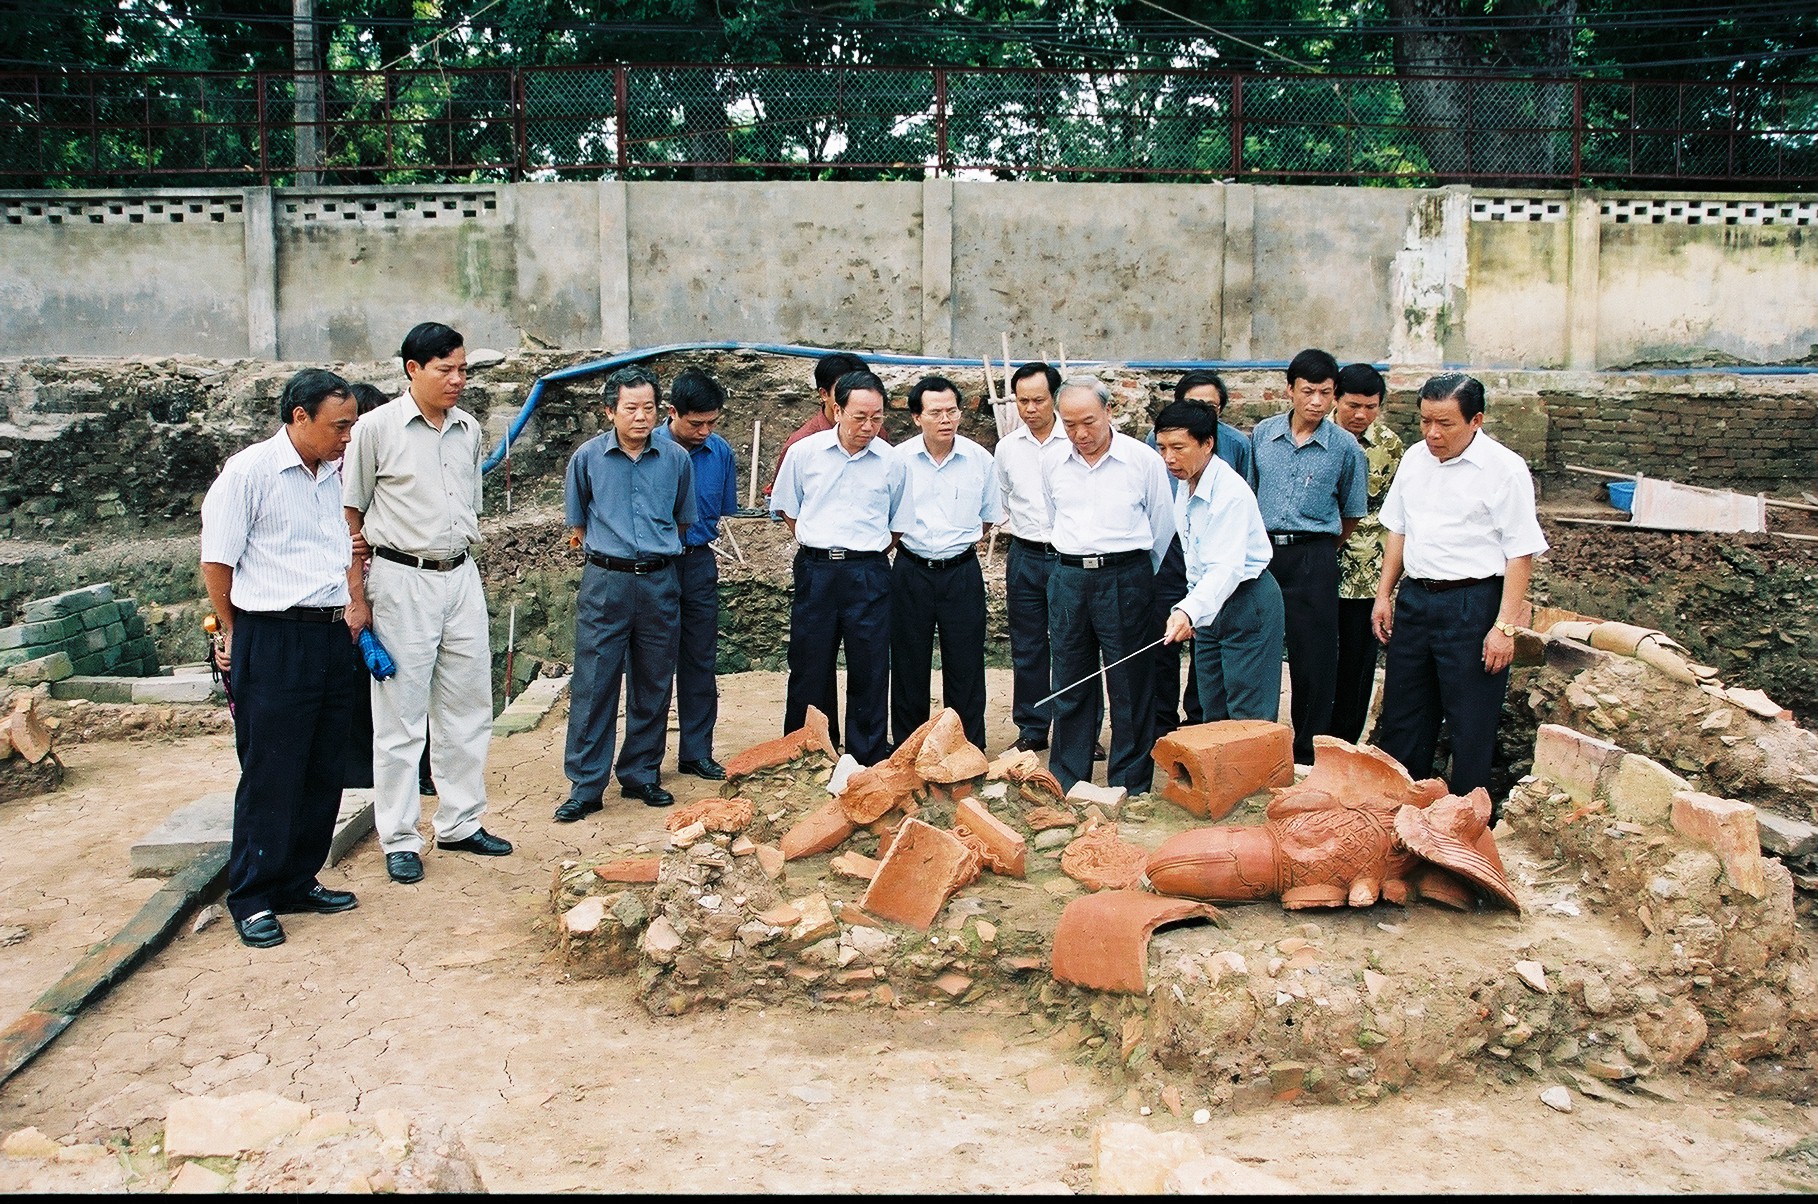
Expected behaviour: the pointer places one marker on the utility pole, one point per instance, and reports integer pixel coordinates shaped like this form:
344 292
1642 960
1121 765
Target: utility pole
308 92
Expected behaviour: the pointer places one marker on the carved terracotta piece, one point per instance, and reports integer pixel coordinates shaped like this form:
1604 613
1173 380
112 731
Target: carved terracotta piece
1002 847
1099 860
946 755
923 868
812 736
630 869
1025 769
817 832
1211 767
1102 940
909 749
1319 851
729 815
873 793
1360 775
1040 819
24 732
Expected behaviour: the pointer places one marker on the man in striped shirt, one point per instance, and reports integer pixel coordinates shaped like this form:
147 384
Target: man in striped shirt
275 561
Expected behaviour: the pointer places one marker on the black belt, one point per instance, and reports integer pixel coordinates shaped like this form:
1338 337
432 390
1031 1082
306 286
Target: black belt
420 562
838 554
1044 549
304 614
1440 587
968 554
692 548
641 568
1104 560
1285 539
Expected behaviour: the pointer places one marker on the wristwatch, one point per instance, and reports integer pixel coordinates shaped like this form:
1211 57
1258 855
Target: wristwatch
1507 629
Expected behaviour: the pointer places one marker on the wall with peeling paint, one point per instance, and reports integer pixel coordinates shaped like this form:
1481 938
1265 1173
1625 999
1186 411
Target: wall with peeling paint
1411 277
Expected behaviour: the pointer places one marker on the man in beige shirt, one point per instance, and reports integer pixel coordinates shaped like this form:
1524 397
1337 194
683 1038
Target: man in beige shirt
412 493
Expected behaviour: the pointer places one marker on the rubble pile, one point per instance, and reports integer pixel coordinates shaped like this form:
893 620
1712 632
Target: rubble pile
1651 934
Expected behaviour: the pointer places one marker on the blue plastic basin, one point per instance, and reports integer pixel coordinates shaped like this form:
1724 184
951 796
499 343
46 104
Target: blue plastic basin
1622 495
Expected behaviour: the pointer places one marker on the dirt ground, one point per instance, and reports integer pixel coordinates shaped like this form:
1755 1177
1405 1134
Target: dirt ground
445 1001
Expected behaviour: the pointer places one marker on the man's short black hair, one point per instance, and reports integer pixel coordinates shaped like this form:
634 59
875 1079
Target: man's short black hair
1039 368
854 382
829 368
1313 366
1468 390
695 392
1198 377
1195 417
1361 380
307 390
429 341
631 377
931 384
367 397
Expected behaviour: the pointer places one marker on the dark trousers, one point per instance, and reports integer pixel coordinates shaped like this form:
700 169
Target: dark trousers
1356 668
359 735
293 688
1434 670
842 603
1239 654
1170 588
697 690
1097 617
625 633
950 600
1308 576
1026 574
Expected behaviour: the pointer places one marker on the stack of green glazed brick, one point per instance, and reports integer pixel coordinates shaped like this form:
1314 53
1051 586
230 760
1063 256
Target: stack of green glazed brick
85 631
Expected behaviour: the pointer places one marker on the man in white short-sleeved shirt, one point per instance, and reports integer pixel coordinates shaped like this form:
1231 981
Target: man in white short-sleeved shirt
1461 537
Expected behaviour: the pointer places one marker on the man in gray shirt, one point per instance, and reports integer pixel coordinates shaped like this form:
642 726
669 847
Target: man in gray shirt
412 492
627 501
1310 479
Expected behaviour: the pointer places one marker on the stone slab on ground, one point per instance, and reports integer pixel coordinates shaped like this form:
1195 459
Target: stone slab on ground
208 823
529 707
1786 837
186 687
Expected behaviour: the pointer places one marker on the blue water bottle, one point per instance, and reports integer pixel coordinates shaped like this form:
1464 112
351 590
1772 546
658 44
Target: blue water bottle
378 661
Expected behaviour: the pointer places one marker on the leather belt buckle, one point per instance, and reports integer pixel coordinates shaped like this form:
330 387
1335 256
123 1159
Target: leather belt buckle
1091 562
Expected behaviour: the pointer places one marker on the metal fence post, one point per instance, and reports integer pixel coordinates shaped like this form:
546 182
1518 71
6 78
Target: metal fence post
1577 133
1237 125
942 165
621 114
520 158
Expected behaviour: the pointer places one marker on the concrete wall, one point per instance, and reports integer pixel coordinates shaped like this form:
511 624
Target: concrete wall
1113 271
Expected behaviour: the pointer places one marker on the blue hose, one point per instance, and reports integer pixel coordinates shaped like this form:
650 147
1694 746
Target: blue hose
596 367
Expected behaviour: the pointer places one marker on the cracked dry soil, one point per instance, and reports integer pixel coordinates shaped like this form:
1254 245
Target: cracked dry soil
448 1002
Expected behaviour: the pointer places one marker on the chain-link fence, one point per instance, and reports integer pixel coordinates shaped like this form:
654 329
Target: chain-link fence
707 122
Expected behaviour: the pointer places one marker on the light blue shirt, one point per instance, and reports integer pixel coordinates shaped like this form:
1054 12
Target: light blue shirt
839 500
631 509
1124 502
1223 538
1310 488
953 499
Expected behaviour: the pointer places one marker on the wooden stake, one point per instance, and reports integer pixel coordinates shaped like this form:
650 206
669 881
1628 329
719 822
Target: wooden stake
990 381
1061 355
732 539
1005 335
991 547
757 427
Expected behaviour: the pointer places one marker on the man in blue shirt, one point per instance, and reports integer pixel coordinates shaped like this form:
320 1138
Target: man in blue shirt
1232 608
696 402
1310 478
936 581
627 500
1233 447
845 495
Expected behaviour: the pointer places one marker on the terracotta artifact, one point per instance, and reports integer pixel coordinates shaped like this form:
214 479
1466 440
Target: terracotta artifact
729 815
812 736
1365 831
1100 860
1102 940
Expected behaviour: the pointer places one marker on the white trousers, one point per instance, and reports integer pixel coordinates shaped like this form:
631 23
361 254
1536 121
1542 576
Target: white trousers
434 625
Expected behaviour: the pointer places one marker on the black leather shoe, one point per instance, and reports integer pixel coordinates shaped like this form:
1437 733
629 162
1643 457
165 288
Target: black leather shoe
482 842
652 794
320 900
1029 744
1098 752
575 809
260 931
404 867
706 767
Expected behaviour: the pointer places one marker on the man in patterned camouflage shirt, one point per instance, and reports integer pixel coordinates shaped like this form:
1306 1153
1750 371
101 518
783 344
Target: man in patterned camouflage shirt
1359 410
